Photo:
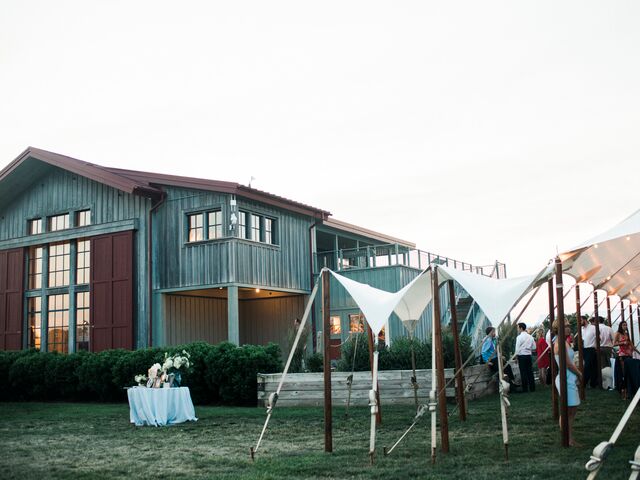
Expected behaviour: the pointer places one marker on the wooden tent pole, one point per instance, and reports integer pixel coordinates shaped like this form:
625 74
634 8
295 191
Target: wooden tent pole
326 305
621 312
633 340
580 345
608 310
562 359
552 363
371 349
462 407
442 395
597 325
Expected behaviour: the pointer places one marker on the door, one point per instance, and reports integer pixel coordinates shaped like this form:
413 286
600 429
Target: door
111 286
11 295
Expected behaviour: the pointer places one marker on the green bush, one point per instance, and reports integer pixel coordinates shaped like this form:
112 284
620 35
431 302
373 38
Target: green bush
315 362
221 373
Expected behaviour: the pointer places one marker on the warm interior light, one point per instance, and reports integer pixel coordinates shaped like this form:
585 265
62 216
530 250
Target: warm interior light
595 246
257 290
628 238
628 272
609 277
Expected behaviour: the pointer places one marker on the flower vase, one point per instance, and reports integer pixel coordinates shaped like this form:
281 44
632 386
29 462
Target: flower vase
177 378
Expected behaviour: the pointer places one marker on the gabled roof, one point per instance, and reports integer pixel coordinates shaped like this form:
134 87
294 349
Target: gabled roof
141 183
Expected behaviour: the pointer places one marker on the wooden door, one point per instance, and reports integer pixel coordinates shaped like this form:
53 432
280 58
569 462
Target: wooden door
11 298
111 304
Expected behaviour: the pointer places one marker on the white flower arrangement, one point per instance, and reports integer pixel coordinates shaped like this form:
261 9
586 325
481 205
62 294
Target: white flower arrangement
176 362
153 371
140 379
160 373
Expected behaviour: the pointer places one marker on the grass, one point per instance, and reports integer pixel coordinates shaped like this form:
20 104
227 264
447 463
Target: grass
87 441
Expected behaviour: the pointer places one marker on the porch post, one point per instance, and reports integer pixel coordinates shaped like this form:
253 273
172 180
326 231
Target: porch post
233 316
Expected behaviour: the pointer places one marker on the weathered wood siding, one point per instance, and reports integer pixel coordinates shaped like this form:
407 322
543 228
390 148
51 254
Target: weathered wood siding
60 191
229 260
307 389
270 320
189 319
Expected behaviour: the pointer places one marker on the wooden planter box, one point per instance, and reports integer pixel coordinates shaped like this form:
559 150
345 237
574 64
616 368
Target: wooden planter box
307 389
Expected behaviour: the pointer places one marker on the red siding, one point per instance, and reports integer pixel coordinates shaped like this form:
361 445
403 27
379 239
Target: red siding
11 294
112 291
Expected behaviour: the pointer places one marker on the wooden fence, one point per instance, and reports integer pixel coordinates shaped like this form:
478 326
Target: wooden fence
307 389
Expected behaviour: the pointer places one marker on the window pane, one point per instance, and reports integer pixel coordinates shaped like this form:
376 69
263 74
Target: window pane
58 222
35 226
242 231
196 229
35 267
83 218
336 328
82 321
59 260
34 319
268 230
215 224
83 262
356 323
58 323
255 228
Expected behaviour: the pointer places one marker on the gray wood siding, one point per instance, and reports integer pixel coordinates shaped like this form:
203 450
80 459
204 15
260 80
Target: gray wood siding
229 260
270 320
61 191
189 319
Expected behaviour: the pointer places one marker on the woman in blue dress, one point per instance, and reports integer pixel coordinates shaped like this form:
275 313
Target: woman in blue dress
573 375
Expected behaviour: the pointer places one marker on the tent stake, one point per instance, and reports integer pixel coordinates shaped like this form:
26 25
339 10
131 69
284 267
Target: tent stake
562 354
552 363
462 407
326 305
580 345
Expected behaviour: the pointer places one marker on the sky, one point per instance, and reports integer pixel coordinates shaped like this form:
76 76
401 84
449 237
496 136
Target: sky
482 131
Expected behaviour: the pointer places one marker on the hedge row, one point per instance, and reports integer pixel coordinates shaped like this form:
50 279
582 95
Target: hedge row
219 374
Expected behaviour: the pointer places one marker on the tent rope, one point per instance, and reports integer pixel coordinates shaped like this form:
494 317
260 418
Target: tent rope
273 398
603 449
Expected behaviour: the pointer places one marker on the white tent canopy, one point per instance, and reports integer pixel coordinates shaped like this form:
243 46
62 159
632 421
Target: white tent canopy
610 260
496 297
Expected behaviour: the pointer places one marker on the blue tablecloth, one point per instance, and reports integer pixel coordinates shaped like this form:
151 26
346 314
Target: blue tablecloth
160 406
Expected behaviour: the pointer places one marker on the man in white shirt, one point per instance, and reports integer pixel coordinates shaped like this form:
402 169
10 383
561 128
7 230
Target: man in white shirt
524 346
589 351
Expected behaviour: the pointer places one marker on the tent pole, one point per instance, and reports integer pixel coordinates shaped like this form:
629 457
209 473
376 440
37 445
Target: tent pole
462 408
562 357
371 365
442 396
621 312
608 310
504 401
597 325
326 305
414 379
580 345
633 340
552 363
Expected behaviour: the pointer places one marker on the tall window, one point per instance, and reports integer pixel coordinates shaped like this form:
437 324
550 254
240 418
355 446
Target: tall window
356 323
82 321
59 264
215 224
335 327
58 222
83 262
242 230
35 226
196 227
83 218
34 321
255 228
268 231
58 323
35 267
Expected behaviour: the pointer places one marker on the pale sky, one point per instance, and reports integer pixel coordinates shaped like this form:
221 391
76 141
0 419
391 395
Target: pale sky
478 130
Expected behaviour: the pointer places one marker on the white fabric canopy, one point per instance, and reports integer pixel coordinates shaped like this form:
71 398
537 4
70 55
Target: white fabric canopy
610 260
377 305
496 297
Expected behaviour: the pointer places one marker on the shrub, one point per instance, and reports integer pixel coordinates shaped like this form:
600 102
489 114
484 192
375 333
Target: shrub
315 362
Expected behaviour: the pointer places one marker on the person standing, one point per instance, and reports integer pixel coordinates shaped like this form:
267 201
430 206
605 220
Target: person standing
490 357
623 342
573 375
606 343
524 347
542 351
589 350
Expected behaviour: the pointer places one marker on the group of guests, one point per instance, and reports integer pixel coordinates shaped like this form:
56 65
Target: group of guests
543 345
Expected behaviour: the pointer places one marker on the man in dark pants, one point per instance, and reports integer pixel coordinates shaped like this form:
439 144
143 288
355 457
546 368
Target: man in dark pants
524 347
489 356
589 350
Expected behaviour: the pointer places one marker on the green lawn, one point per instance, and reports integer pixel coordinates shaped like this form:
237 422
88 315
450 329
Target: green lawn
96 441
